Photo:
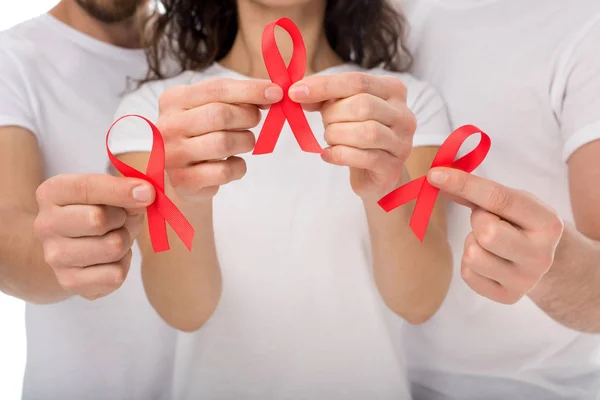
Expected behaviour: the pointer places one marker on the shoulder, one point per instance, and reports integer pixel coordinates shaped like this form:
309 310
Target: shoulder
17 50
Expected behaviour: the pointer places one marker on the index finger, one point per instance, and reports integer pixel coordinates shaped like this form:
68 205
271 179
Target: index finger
512 205
88 189
232 91
317 89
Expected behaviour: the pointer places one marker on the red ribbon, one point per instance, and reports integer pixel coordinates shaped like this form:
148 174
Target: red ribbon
162 210
285 77
425 193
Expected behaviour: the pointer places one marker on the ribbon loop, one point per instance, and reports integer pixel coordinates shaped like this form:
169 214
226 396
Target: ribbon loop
425 193
162 210
285 77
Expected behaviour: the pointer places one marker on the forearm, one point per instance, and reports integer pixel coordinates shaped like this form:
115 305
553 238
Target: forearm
23 271
412 277
570 291
184 287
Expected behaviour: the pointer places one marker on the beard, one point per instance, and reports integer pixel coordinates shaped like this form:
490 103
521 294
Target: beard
111 11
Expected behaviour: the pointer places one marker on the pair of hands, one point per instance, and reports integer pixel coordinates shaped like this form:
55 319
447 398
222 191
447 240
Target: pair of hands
87 224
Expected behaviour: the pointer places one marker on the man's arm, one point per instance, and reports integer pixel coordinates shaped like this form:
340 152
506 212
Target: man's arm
413 277
23 271
570 291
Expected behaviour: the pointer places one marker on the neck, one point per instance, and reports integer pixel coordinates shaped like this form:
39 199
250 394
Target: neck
245 56
126 34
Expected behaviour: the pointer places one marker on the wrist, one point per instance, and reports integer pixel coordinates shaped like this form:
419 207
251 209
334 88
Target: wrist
555 273
374 196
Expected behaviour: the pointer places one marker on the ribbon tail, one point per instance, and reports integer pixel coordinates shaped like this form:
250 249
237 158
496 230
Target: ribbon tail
269 134
423 209
158 229
404 194
176 219
300 127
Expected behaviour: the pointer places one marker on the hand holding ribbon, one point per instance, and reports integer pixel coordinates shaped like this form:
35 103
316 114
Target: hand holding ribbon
368 126
513 234
162 210
423 191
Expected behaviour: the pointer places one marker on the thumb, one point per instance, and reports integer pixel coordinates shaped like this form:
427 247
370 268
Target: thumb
144 194
435 179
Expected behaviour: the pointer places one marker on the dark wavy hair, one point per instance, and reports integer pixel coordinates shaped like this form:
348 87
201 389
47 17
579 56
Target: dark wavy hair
196 33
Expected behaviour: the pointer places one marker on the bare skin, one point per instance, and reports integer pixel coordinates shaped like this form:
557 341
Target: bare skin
37 271
413 279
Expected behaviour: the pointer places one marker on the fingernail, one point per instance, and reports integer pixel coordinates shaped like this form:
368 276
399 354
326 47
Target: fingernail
437 177
273 93
141 193
299 92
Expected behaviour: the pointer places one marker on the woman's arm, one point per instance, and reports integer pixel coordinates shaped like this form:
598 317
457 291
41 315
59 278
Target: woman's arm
204 126
370 129
184 287
412 277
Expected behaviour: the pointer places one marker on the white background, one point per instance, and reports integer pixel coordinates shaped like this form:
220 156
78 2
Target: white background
12 319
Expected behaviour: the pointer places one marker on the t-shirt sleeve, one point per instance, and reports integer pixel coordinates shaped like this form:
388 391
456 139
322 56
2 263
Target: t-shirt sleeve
16 96
579 113
433 125
132 134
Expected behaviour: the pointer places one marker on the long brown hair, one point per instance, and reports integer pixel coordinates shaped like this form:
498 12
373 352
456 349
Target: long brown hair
196 33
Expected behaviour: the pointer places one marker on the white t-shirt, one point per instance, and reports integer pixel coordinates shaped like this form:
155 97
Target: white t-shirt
528 73
64 87
300 316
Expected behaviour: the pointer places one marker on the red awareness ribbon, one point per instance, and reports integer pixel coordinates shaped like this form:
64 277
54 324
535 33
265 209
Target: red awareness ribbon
162 210
425 193
285 77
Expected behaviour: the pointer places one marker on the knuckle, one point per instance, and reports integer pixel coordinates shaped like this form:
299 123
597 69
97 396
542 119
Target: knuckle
171 96
370 131
359 82
461 184
465 273
409 120
168 127
224 143
42 226
254 116
373 159
500 197
363 107
182 180
398 86
324 85
117 243
224 173
69 280
217 88
53 255
119 276
556 227
219 116
176 155
81 188
97 219
43 193
488 234
175 177
471 253
209 191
